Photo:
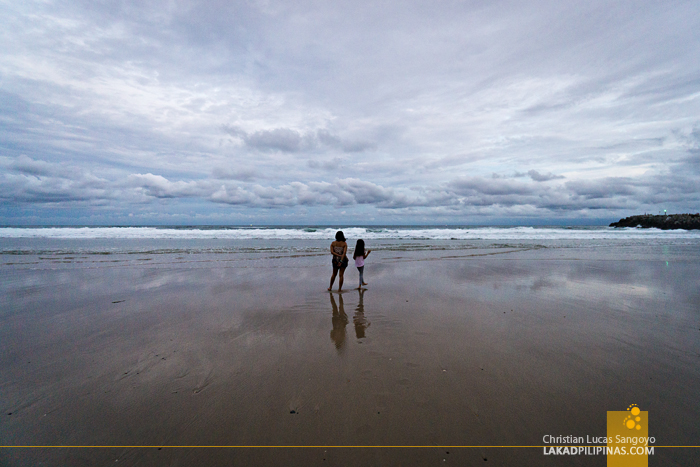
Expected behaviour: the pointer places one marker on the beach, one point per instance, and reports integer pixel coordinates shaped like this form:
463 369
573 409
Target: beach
154 359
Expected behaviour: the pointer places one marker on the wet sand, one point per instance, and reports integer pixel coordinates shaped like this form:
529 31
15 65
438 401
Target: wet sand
442 349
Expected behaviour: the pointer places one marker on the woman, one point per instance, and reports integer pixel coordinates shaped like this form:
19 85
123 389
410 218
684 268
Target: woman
340 261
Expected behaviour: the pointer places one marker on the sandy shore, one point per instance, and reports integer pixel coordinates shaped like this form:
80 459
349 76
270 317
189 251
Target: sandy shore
442 349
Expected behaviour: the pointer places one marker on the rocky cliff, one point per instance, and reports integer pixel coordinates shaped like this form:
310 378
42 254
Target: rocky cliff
672 221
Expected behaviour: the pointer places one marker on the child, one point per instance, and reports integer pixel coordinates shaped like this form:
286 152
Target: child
359 256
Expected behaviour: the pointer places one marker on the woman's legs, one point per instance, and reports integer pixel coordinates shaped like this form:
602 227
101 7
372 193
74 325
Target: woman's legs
340 279
335 271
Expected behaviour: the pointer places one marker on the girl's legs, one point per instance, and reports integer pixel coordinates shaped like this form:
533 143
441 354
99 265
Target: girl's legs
361 269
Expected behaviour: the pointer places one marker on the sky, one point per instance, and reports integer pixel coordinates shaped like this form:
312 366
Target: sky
327 112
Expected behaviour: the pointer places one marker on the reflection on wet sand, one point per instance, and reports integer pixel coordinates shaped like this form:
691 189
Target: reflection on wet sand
359 319
340 320
483 352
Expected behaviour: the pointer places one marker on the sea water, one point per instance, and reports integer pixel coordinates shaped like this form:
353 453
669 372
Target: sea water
104 246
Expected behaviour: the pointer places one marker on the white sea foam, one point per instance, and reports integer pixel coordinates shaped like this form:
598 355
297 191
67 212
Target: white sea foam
367 233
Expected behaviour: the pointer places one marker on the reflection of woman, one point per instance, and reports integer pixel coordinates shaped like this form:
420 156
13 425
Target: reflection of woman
339 250
340 320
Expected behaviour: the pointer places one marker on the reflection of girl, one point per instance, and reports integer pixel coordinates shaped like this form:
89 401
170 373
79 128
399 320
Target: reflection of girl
339 250
359 256
359 318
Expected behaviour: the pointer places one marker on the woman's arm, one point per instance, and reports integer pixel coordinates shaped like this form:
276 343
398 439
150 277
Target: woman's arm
333 252
345 250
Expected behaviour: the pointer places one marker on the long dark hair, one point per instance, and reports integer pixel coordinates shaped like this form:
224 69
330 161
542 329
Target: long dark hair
359 249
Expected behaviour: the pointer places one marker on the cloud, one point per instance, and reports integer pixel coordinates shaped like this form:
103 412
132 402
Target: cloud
538 177
690 162
483 186
533 174
336 163
606 188
365 192
293 141
30 181
232 195
26 165
244 174
280 139
342 192
159 187
345 145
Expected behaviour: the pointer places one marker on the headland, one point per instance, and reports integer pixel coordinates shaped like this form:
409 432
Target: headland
664 222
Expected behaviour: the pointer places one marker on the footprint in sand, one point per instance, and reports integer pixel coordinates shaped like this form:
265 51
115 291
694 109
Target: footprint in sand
204 381
203 369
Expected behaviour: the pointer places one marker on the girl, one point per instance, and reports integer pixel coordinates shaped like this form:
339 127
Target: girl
359 256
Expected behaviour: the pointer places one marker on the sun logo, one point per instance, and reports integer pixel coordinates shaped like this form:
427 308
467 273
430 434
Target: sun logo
631 421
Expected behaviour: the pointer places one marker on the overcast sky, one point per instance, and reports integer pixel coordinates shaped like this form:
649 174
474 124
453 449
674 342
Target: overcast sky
240 112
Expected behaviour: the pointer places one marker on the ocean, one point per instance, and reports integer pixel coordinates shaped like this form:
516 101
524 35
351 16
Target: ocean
44 246
351 232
